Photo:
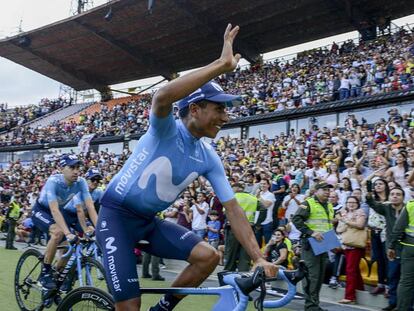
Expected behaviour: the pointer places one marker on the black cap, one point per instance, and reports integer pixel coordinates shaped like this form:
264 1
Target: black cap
323 185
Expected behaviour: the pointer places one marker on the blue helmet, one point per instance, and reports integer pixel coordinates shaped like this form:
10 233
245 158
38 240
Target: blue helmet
69 160
213 92
93 172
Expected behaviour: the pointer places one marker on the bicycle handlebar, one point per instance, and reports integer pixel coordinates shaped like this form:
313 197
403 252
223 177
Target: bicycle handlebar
244 285
69 247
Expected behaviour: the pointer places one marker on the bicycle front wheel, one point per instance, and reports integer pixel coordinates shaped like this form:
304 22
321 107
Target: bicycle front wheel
87 299
28 292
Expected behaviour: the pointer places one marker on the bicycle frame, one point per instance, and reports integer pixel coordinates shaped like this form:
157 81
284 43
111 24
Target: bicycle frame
91 250
233 296
230 296
75 259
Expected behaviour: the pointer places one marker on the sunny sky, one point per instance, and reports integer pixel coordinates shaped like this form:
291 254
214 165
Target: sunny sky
21 86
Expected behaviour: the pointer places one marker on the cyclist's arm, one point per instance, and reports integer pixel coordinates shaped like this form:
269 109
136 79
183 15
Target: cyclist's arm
81 217
57 216
87 199
90 207
183 86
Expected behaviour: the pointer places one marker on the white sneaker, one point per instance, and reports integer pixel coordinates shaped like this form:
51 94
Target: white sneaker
333 283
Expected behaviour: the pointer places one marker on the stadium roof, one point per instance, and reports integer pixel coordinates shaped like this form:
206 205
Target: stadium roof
87 51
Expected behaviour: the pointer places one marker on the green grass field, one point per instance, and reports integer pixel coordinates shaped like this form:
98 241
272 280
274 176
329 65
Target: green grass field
8 261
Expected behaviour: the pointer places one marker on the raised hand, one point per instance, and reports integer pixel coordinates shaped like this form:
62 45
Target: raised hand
227 57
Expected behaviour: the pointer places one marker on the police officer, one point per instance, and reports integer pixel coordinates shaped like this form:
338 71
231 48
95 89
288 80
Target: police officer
313 218
391 211
235 256
403 233
13 215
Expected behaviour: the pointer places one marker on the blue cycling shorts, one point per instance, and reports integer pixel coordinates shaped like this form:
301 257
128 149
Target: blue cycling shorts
43 219
117 232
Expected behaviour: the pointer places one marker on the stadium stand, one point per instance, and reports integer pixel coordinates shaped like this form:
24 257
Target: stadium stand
58 115
319 76
372 144
18 116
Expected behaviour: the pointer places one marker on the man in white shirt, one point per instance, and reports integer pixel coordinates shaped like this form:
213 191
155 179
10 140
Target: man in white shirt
292 201
198 215
267 199
317 172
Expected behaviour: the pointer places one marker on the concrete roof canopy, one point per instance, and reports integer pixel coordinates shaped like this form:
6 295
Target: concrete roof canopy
89 52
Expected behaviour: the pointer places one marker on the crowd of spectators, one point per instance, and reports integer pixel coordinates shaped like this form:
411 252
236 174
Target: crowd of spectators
325 74
122 119
18 116
313 77
283 169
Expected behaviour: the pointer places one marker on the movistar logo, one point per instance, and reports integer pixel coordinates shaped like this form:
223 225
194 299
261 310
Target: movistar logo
129 171
109 245
164 187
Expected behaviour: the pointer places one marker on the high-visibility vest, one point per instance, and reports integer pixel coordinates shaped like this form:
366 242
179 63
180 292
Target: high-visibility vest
409 230
319 220
248 203
15 210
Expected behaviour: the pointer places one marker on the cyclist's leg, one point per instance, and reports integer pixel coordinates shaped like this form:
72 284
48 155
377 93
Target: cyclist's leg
56 236
203 260
73 223
169 240
44 221
117 232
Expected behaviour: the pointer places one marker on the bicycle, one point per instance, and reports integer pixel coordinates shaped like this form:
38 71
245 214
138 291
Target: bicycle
233 292
80 268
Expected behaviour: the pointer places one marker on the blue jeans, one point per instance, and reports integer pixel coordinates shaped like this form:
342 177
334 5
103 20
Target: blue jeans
343 94
355 91
394 270
201 233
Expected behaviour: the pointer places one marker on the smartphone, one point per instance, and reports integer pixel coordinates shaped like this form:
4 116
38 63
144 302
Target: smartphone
369 186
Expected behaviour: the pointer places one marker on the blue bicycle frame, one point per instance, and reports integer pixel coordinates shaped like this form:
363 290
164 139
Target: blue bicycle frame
230 296
77 256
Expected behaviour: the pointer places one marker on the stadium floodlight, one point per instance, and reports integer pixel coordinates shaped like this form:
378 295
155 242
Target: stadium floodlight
108 16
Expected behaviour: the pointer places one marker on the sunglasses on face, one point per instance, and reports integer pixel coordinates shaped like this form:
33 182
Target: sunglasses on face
96 180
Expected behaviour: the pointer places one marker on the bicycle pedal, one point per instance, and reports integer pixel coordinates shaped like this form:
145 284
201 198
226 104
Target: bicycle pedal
57 299
47 303
47 293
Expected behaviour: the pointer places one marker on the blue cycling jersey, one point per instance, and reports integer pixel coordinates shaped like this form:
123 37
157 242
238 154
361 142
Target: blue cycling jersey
165 161
56 189
77 200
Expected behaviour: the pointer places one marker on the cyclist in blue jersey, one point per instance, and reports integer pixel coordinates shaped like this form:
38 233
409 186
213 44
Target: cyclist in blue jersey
93 177
50 217
167 158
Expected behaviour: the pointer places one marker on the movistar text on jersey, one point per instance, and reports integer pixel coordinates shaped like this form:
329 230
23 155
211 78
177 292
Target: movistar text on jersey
129 172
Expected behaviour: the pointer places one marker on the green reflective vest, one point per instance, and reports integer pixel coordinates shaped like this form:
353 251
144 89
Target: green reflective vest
410 211
14 210
248 203
318 220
